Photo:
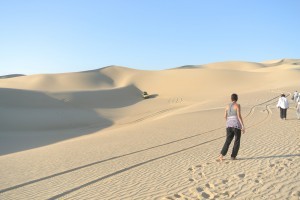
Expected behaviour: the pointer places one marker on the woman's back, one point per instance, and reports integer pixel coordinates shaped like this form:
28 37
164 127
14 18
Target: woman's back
232 116
232 111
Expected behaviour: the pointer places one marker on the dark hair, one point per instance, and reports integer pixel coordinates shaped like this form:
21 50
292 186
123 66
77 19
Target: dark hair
282 95
234 97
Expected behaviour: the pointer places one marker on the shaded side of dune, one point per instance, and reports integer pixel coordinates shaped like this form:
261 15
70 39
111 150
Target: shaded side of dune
11 76
30 119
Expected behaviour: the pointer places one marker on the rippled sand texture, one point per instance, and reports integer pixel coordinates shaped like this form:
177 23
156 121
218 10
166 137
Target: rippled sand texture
91 135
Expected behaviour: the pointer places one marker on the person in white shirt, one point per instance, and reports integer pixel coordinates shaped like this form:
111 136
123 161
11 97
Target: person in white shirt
298 110
295 96
283 104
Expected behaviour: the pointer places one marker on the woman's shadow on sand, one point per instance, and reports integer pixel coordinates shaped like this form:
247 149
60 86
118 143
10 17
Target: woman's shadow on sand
267 157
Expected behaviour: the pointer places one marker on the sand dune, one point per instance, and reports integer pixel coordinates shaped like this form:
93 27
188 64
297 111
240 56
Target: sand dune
91 135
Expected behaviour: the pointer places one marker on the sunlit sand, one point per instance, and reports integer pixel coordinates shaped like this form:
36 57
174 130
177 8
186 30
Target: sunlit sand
92 135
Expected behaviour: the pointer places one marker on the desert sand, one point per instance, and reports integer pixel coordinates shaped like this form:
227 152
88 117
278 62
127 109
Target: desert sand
91 135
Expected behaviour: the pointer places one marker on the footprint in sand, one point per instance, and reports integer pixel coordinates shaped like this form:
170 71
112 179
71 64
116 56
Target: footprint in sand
197 173
259 174
205 195
177 196
228 194
225 181
169 198
210 185
202 175
280 169
241 176
255 190
199 189
258 178
192 169
204 192
200 168
281 165
175 100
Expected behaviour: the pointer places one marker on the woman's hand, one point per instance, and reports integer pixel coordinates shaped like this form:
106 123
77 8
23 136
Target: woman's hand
243 130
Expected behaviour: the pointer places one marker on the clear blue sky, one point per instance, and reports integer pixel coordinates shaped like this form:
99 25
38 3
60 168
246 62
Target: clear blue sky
53 36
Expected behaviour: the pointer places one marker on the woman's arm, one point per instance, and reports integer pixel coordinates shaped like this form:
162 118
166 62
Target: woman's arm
238 109
278 103
225 115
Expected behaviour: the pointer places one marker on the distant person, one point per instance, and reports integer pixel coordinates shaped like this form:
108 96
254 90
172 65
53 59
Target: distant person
283 105
298 99
298 109
234 127
295 96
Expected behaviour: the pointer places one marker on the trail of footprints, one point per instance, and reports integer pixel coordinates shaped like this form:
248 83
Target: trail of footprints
175 100
204 188
221 186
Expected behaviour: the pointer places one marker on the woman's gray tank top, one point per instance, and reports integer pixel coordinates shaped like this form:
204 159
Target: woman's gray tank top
232 119
231 111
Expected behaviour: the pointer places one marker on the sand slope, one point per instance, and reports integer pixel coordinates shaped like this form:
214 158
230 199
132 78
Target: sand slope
91 135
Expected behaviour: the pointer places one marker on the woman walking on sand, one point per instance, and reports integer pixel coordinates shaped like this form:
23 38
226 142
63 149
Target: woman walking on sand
283 105
234 127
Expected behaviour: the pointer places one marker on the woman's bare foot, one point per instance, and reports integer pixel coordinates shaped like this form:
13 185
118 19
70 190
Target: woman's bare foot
221 158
